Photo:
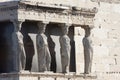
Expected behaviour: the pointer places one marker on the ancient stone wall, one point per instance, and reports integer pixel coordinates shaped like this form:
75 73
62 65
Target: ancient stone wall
106 38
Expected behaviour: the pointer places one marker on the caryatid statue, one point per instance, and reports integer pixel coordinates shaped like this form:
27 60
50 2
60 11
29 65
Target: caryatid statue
18 46
44 57
88 50
65 48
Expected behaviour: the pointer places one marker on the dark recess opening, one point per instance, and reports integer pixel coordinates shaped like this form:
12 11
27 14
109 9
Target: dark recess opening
6 55
28 27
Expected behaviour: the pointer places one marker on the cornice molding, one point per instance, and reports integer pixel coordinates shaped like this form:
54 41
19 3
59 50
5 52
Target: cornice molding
71 15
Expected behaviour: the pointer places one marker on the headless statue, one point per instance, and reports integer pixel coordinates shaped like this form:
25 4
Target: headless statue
88 51
44 58
65 49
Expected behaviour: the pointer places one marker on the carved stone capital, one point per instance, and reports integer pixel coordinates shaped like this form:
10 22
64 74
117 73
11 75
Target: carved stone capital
45 22
65 28
88 27
42 24
17 23
67 25
91 26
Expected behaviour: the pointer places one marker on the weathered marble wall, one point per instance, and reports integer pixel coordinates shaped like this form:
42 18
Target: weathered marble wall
106 37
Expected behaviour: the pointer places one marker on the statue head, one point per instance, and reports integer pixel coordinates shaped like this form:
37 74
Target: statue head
65 28
42 27
17 25
88 30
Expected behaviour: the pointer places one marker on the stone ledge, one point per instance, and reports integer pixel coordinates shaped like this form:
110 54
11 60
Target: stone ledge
47 75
